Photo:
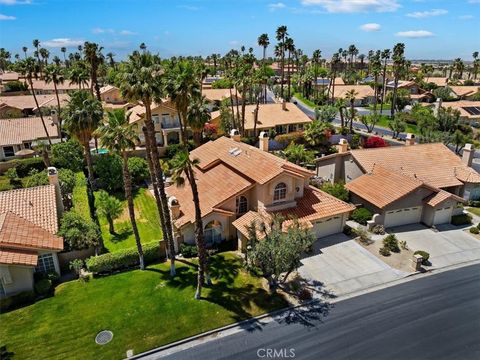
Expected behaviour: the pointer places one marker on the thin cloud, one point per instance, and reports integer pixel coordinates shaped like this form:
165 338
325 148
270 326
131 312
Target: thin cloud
128 32
429 13
15 2
189 7
415 34
474 1
102 31
370 27
276 6
6 17
353 6
62 42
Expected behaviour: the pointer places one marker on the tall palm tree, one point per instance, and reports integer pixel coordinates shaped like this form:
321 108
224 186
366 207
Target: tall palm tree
264 41
350 96
333 71
110 58
290 47
78 74
143 47
140 80
376 68
385 56
29 68
83 114
63 49
398 69
316 58
36 45
93 56
198 114
476 64
281 34
24 49
118 136
55 74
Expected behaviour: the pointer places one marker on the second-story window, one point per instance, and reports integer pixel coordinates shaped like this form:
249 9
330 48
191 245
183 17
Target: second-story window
156 119
242 205
280 192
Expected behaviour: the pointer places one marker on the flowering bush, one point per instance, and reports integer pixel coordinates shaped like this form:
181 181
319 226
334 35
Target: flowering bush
375 142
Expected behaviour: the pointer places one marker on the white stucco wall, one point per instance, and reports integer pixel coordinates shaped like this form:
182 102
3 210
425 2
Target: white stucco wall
16 279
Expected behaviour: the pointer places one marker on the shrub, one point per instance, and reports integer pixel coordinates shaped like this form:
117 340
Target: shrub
43 286
138 168
391 243
108 169
363 235
36 178
474 203
295 137
76 265
375 142
68 155
425 255
461 219
361 215
188 251
337 190
13 178
384 251
123 259
474 230
78 232
172 149
347 230
403 245
24 166
14 86
17 300
378 230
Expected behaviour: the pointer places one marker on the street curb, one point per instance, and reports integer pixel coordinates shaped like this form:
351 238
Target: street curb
431 271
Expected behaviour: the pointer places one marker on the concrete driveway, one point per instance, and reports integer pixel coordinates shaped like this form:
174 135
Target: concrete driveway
344 266
450 245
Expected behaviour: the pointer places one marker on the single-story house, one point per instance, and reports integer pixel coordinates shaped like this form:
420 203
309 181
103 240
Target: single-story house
28 240
24 105
404 184
465 92
469 110
411 86
238 183
19 134
364 93
216 96
40 87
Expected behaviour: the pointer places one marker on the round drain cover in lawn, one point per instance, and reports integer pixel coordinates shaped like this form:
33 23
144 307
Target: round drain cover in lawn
104 337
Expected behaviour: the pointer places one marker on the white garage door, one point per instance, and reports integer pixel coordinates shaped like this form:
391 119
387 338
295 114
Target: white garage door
328 226
403 216
443 215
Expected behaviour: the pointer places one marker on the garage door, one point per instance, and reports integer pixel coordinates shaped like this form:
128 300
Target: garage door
403 216
328 226
443 215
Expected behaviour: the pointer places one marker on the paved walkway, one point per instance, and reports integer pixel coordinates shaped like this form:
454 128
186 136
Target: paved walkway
344 266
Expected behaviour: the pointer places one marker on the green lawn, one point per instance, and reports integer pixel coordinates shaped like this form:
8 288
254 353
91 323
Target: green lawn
474 210
79 196
148 223
386 106
384 123
305 101
143 309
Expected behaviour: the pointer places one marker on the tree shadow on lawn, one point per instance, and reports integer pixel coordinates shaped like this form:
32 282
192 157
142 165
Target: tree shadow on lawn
121 235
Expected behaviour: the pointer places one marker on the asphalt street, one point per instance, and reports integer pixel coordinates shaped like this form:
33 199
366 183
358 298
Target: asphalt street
435 317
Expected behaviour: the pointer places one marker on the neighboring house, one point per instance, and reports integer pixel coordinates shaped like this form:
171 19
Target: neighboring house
9 76
40 87
216 96
277 69
19 134
469 110
364 93
404 184
439 81
111 95
411 86
209 80
28 240
427 97
283 118
24 105
238 183
166 121
464 92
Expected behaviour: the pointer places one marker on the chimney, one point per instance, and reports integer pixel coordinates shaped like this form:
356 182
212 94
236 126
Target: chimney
54 116
438 105
284 105
53 180
468 152
235 135
342 146
174 207
410 139
263 141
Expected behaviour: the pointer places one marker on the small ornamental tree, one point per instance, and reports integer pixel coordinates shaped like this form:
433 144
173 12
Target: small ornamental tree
110 207
68 155
375 142
279 253
78 232
337 190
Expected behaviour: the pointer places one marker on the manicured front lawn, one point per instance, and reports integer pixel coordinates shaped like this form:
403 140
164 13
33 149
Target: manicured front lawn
79 196
143 309
474 210
304 100
148 223
384 123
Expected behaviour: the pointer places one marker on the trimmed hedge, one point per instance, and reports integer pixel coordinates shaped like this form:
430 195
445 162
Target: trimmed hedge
461 219
474 230
17 300
123 259
188 251
24 166
425 255
361 215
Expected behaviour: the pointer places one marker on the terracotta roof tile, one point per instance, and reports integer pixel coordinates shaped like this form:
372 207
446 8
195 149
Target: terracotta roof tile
17 131
18 257
363 91
24 102
437 198
36 204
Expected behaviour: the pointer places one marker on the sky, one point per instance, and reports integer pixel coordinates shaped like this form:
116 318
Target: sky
430 29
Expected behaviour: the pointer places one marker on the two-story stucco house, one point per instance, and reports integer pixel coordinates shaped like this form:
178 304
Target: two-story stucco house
404 184
239 183
28 240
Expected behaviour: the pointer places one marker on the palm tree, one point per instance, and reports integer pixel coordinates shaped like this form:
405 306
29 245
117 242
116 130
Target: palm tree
54 74
36 45
334 64
143 47
376 68
264 41
385 56
350 96
119 136
29 68
110 58
110 207
341 105
83 114
183 165
24 49
45 54
78 74
281 34
93 56
290 47
139 80
398 68
198 115
63 49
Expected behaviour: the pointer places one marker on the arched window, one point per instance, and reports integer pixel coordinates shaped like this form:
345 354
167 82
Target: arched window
213 232
242 205
280 192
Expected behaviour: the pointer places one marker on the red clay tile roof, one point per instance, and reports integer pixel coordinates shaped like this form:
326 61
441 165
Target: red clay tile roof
437 198
382 187
24 102
18 233
258 165
36 204
434 164
18 257
19 130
